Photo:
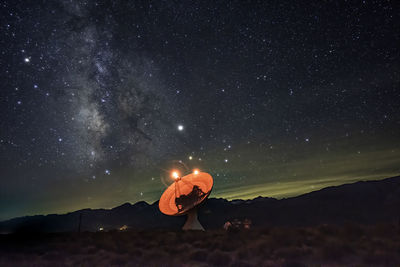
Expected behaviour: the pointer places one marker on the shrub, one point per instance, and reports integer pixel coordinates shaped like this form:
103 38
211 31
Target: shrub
243 254
219 258
285 237
198 255
118 261
240 263
336 250
327 229
291 263
290 252
352 232
381 258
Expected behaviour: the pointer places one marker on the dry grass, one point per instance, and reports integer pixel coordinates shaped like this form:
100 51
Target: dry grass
324 245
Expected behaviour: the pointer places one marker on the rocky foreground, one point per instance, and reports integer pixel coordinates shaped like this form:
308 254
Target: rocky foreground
323 245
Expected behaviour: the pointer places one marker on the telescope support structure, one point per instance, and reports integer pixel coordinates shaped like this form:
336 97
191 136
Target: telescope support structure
192 221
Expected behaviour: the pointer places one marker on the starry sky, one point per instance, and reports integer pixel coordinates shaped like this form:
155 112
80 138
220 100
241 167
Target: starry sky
100 99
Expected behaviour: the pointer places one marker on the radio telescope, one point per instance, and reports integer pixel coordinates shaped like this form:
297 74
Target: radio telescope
184 195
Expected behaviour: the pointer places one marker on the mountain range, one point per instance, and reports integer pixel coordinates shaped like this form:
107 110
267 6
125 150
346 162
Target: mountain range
365 202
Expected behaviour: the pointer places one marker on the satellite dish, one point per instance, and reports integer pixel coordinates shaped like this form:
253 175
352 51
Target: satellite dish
184 195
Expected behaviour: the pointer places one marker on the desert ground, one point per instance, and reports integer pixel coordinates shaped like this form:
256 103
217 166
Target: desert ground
324 245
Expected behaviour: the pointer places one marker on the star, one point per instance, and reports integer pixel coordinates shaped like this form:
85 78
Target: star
124 105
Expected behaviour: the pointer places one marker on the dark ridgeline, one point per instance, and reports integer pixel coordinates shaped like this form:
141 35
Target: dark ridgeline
362 202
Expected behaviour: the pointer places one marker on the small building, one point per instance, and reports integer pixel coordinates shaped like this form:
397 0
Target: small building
237 224
123 227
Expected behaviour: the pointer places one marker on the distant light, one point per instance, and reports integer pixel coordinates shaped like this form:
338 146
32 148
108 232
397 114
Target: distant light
180 127
190 157
27 59
107 172
60 139
307 140
123 228
226 160
175 174
195 172
101 228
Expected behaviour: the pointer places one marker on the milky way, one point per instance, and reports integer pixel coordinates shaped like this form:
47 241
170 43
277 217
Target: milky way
98 98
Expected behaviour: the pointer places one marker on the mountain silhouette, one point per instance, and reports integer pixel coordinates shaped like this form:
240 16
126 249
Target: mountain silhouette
366 202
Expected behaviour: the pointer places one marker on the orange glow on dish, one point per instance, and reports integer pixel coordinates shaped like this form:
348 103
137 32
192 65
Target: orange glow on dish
198 186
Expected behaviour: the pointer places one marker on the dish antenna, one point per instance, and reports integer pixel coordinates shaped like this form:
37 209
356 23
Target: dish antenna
184 195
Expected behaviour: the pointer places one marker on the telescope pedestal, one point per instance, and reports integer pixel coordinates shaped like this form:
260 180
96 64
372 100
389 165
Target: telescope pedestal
192 222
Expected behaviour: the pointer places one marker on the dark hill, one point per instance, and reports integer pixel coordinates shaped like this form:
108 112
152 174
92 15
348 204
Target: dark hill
361 202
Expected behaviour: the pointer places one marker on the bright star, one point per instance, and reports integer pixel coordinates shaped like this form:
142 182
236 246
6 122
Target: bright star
180 127
27 60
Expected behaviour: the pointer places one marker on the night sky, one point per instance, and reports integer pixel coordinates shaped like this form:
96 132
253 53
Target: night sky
98 99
